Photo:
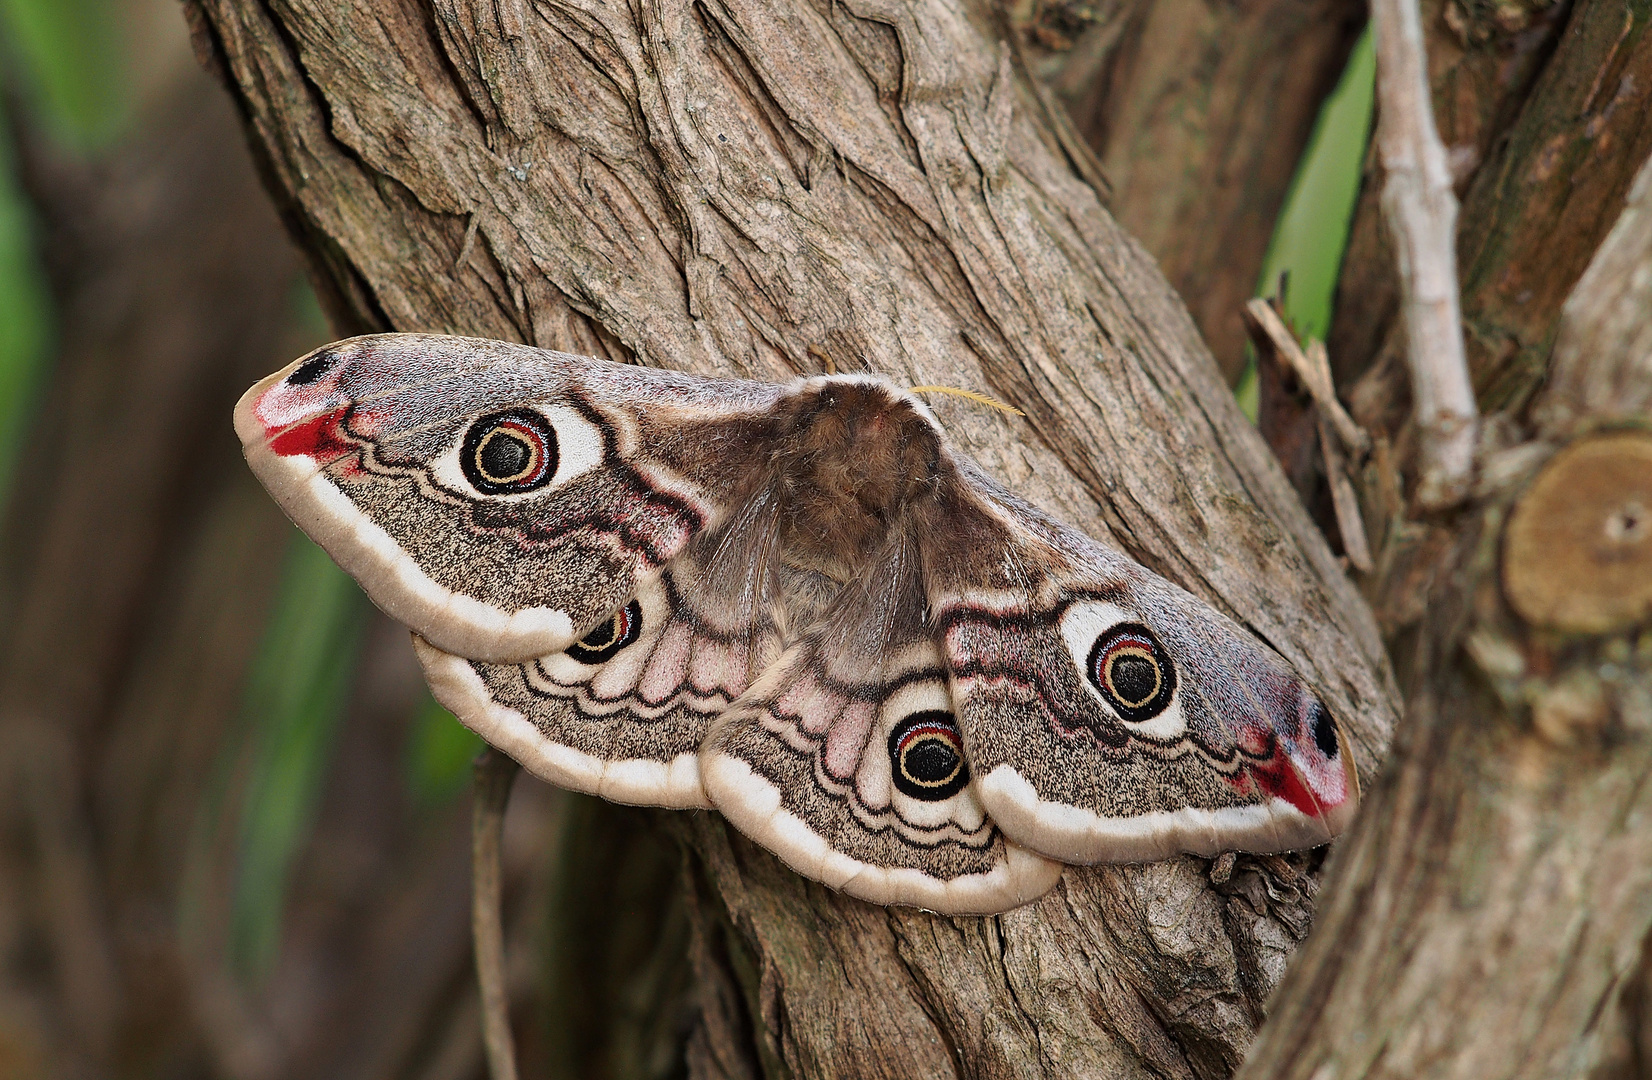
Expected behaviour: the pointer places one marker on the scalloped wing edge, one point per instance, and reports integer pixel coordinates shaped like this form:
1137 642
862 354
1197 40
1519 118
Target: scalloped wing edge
753 805
392 578
1076 835
637 782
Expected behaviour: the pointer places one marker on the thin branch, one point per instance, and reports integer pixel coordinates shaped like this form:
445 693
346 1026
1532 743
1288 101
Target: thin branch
1350 523
1421 211
494 775
1314 376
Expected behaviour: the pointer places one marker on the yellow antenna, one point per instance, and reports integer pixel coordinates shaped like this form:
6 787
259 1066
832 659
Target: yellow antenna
979 399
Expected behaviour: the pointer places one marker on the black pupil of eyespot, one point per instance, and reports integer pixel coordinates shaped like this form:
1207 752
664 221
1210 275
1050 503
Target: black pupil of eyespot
505 455
1135 678
926 755
932 760
604 635
1325 731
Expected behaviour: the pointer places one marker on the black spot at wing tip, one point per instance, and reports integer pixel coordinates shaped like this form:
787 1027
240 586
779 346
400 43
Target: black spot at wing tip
313 368
1324 730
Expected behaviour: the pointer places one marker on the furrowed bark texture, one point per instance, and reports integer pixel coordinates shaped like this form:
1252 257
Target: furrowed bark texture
1491 911
763 189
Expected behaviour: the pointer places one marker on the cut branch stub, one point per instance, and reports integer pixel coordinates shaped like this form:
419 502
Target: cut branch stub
1578 554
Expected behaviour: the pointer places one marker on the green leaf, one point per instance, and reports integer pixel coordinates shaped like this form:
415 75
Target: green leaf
1312 232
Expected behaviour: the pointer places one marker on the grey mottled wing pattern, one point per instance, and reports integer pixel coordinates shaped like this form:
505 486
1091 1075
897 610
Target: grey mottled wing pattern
1112 717
623 712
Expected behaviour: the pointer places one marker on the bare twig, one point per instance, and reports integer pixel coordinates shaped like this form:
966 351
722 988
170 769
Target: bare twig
1350 523
1315 377
1421 211
1338 471
494 775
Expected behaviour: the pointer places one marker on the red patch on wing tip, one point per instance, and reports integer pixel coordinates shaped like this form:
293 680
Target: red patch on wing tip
318 437
1279 778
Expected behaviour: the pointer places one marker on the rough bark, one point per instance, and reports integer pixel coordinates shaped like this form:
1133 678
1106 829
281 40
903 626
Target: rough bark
1199 114
1484 918
1491 911
769 188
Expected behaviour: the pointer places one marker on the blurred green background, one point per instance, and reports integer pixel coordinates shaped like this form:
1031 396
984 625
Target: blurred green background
66 59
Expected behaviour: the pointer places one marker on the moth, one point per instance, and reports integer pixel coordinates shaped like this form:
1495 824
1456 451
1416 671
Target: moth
797 603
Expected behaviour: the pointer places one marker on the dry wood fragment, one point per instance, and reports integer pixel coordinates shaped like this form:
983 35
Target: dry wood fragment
1578 552
1315 375
1350 523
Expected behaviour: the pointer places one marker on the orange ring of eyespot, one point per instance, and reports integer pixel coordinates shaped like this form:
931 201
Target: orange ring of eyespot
1129 647
917 738
508 430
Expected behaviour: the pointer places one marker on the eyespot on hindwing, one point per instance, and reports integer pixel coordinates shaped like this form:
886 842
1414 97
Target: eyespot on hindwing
605 642
926 756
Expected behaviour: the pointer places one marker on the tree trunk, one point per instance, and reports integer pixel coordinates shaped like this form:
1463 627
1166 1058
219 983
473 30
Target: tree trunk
772 188
1199 113
1491 911
1488 915
768 189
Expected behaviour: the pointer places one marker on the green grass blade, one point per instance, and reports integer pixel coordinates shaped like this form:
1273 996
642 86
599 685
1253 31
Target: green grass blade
1311 234
25 316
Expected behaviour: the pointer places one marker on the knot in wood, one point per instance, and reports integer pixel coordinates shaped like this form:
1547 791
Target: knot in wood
1577 554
